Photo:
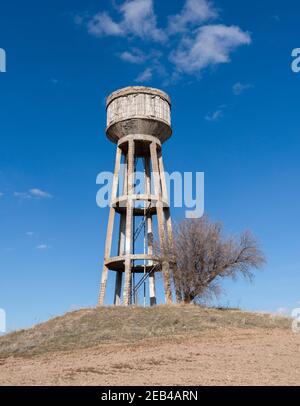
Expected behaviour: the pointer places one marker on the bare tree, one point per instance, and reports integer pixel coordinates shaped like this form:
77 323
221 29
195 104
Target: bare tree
201 256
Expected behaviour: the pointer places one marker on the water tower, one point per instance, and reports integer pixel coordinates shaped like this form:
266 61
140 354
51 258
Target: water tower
138 122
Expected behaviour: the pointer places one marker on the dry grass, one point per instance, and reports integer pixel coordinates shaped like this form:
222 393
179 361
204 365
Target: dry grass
89 328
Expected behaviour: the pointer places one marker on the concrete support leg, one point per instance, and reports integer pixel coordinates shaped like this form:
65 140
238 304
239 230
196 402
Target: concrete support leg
129 223
103 284
149 228
110 229
171 244
119 275
152 290
161 222
118 288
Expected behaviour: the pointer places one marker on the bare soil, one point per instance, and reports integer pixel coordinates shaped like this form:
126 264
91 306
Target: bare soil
230 348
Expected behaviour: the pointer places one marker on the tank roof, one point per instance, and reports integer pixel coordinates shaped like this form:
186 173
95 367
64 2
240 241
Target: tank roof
137 89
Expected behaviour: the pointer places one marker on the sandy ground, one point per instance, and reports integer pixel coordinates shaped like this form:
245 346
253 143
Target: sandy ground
235 357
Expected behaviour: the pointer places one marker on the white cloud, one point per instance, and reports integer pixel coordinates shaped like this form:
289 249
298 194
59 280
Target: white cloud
138 18
30 233
134 56
215 116
102 24
1 194
211 45
40 194
193 12
199 44
145 76
22 195
239 88
33 193
43 247
172 79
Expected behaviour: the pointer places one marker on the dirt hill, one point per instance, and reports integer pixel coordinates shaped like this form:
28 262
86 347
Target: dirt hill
168 345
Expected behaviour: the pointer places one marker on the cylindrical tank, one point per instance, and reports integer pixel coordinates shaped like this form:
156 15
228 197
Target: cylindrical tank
138 110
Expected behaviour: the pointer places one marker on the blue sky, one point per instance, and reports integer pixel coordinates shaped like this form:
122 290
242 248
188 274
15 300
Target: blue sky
227 67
